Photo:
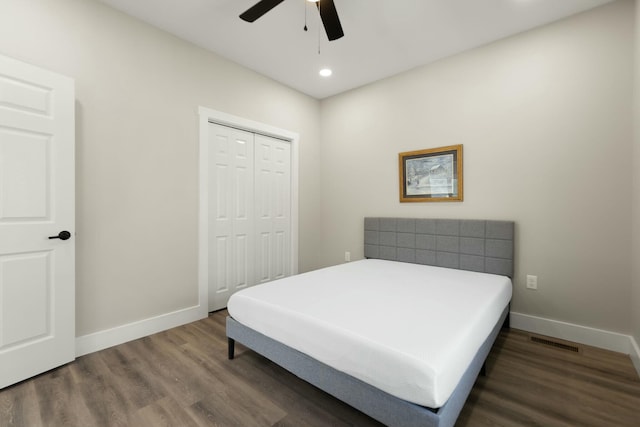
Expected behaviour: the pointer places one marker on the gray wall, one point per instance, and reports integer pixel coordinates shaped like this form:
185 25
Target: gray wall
545 119
138 91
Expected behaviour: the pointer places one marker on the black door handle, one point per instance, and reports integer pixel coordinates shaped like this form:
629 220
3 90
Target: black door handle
63 235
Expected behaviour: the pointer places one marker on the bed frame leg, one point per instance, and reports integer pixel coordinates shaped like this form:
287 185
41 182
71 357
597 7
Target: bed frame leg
507 322
232 347
483 370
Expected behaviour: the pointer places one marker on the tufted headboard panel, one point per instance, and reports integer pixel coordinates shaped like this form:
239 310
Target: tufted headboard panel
477 245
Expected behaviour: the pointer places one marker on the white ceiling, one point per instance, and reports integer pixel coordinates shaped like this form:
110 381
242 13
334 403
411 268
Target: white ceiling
382 37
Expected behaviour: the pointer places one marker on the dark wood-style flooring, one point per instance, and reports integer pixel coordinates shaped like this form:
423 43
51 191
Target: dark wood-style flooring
182 377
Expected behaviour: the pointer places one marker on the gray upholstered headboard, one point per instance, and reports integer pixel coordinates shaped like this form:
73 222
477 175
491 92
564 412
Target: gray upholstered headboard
477 245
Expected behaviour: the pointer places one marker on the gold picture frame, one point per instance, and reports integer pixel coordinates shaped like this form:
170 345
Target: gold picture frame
432 175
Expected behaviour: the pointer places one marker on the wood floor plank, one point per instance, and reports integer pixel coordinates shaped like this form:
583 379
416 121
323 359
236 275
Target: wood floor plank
182 377
169 365
166 412
59 399
130 375
20 407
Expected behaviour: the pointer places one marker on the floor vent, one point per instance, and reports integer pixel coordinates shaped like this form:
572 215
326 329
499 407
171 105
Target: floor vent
556 344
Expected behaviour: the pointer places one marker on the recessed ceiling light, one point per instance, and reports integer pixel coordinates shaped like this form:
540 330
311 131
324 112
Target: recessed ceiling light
326 72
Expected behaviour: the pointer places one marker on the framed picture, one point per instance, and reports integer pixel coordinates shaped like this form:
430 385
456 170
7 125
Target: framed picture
433 175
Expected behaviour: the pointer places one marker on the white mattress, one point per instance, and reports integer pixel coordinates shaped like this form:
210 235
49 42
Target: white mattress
410 330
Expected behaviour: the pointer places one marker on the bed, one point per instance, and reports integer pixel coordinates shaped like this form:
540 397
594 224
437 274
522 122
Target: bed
426 304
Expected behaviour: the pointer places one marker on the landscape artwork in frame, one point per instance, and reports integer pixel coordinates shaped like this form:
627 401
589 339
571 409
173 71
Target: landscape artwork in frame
432 175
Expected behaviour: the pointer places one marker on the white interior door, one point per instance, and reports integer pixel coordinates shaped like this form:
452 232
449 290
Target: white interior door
230 213
37 180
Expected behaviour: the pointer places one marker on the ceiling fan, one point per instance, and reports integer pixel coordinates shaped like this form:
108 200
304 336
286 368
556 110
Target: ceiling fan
327 9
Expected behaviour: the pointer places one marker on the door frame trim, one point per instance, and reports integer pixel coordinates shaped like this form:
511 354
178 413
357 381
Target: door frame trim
208 116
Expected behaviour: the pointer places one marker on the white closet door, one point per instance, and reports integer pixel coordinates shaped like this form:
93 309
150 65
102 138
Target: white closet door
249 211
231 194
273 208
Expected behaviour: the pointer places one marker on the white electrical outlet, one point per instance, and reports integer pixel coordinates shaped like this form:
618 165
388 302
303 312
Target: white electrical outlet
347 256
532 282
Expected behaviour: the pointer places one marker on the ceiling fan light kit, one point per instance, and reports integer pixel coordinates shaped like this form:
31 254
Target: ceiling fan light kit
327 9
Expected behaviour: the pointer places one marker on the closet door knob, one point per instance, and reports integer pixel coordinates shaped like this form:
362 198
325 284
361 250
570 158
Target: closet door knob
63 235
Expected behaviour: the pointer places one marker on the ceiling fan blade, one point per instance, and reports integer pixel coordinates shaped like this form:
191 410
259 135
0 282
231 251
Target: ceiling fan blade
329 16
259 9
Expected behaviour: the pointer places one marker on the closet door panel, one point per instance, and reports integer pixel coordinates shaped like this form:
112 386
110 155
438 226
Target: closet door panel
273 203
231 227
220 203
264 206
282 210
242 188
263 264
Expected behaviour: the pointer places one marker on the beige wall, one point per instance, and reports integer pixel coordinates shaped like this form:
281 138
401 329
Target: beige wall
545 119
138 90
635 301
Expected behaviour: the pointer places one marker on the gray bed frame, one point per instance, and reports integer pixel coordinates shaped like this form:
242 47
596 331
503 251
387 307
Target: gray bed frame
477 245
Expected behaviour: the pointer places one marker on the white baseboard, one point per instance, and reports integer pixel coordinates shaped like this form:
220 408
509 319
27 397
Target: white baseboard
108 338
635 355
579 334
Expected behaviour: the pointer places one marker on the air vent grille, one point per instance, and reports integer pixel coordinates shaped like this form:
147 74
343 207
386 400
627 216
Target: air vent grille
556 344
